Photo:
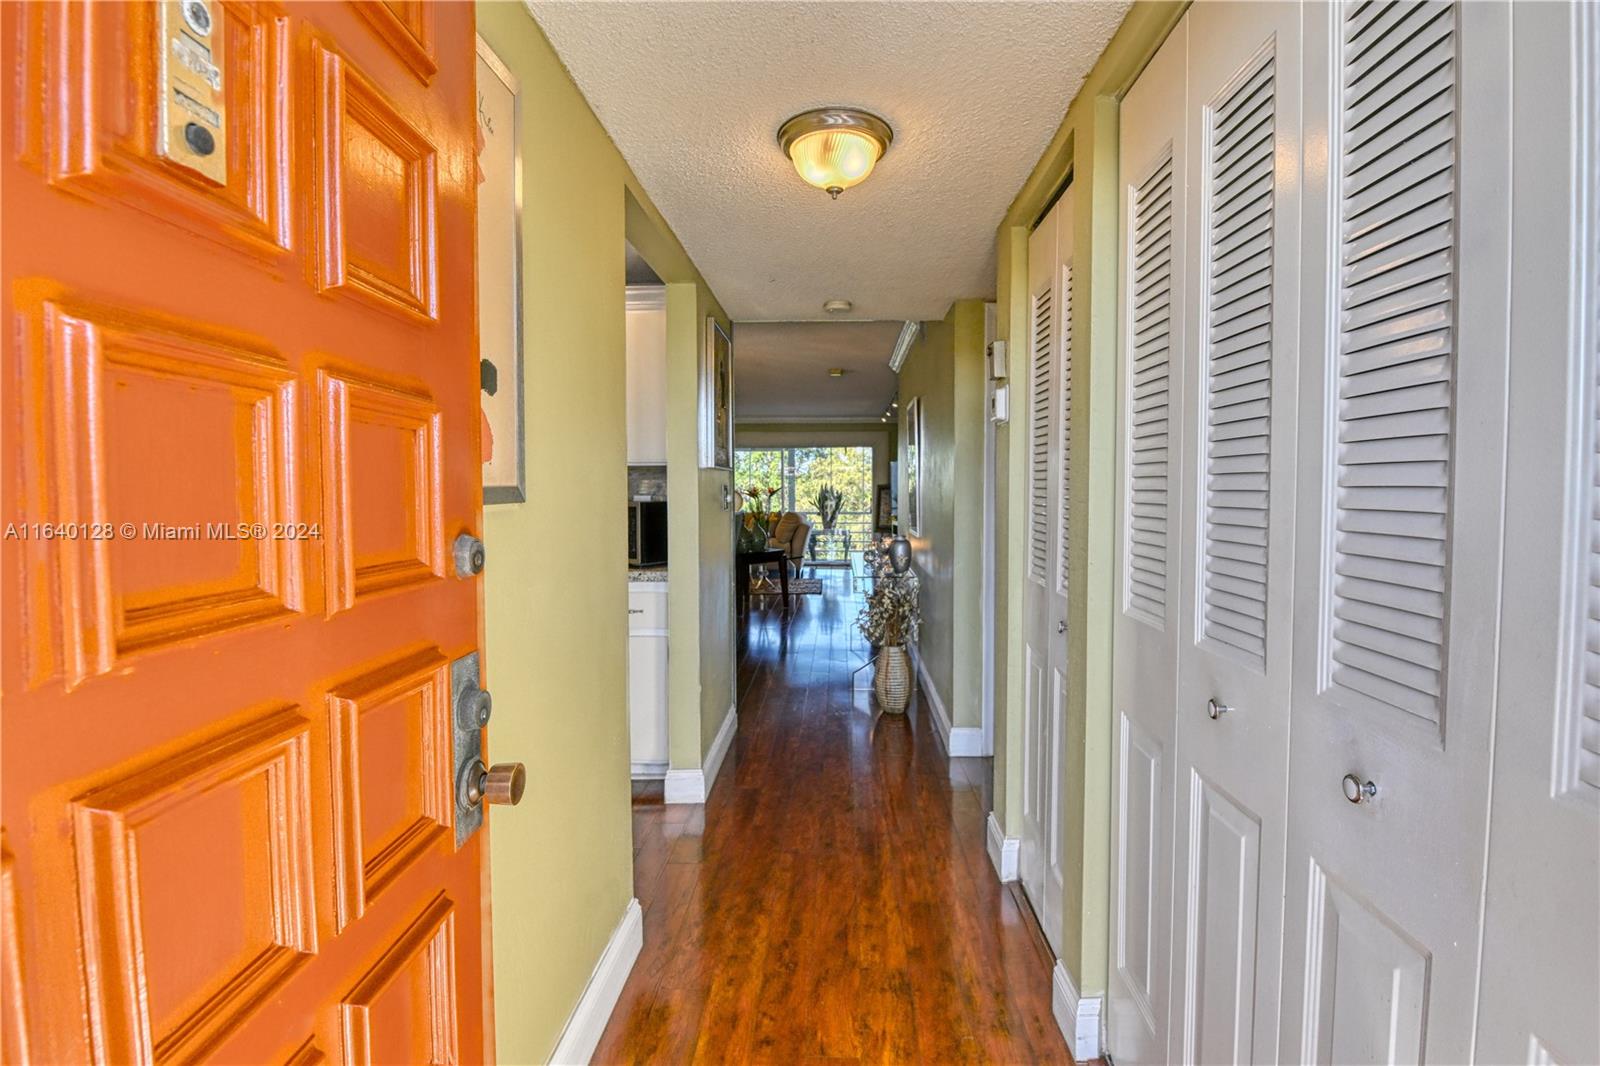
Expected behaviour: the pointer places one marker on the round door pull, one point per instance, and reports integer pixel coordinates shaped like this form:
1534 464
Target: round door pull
468 553
1215 710
1061 626
502 783
1357 790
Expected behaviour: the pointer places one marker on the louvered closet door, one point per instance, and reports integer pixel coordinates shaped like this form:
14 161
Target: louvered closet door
1154 168
1057 568
1398 539
1540 986
1238 474
1041 707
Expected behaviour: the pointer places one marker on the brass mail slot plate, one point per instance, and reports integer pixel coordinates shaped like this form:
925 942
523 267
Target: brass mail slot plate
193 107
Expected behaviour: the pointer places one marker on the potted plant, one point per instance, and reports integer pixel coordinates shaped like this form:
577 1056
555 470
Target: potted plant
890 618
829 502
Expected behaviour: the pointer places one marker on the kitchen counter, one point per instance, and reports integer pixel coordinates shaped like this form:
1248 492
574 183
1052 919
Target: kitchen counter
653 575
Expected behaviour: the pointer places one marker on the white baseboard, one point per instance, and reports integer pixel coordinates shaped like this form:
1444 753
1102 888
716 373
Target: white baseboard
1004 851
587 1022
1078 1017
648 771
958 740
693 786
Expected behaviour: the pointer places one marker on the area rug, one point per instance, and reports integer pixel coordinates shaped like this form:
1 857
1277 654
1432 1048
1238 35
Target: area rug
798 586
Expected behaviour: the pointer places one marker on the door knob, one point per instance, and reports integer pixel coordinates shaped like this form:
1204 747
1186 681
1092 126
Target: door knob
1357 790
501 783
1061 626
1215 710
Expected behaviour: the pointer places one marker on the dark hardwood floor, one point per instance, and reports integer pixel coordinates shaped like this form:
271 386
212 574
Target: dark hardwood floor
832 901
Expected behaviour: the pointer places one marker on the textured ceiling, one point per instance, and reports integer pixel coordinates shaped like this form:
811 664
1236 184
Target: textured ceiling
781 369
693 94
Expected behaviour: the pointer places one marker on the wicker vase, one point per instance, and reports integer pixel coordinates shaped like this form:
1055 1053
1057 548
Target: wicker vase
891 681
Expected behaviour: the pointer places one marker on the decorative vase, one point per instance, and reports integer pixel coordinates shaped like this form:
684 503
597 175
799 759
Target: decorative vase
900 554
751 539
891 681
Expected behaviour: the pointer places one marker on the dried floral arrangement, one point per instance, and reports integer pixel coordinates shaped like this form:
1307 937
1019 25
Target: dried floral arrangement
891 616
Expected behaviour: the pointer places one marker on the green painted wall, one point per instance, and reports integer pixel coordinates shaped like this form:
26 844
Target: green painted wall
555 601
1084 147
944 370
699 544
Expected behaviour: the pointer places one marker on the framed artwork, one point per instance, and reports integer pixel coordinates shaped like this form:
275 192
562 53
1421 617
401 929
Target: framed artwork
716 399
883 509
913 432
500 281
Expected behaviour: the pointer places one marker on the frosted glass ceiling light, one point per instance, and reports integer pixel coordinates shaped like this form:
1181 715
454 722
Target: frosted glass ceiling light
835 148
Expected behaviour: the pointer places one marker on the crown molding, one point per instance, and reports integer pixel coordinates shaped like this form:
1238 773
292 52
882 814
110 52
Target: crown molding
645 297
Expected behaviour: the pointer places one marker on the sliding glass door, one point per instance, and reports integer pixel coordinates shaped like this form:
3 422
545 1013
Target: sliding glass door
800 474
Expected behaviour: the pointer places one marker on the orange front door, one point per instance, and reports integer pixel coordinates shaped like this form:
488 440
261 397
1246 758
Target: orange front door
240 434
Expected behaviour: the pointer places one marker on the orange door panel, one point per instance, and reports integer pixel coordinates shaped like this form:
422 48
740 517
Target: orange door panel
240 428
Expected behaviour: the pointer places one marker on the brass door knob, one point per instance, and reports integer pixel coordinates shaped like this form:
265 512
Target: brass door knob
501 783
504 783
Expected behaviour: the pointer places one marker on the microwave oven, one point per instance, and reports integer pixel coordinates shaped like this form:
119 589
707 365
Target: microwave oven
647 533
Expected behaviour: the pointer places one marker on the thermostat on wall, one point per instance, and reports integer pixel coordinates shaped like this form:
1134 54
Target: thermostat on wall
1000 404
997 359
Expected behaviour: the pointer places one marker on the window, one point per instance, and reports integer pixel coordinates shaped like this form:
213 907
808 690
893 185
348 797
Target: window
799 474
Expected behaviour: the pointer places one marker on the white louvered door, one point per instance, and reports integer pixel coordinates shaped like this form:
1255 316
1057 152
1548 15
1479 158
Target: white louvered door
1398 560
1154 169
1056 600
1236 460
1043 664
1541 951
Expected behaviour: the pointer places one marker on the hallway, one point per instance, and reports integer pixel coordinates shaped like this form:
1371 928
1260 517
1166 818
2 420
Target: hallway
832 901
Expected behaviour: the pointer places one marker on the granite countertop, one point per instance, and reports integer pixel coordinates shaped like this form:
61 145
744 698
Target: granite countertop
653 575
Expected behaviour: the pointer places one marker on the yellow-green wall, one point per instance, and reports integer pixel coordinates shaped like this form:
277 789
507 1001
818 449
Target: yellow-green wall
556 595
944 372
1085 147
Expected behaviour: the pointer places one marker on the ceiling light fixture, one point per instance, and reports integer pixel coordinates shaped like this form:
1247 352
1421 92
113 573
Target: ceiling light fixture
834 148
902 345
836 372
837 307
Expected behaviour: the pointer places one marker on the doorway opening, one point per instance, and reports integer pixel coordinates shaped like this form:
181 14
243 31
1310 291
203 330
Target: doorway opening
801 474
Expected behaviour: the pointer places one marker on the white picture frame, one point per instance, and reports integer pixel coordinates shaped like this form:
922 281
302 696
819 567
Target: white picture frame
499 237
913 474
716 398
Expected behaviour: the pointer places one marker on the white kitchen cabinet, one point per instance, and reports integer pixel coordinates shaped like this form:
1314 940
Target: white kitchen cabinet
647 375
647 678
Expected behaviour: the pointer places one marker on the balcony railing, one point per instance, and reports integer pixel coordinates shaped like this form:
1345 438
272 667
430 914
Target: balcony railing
851 532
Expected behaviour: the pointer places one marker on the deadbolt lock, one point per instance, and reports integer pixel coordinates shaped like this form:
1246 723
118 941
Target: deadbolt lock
469 557
473 708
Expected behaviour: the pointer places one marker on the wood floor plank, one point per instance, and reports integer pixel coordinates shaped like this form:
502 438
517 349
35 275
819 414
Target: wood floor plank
832 901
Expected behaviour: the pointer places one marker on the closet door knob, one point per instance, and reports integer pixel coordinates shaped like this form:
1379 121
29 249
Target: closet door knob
1357 790
1215 710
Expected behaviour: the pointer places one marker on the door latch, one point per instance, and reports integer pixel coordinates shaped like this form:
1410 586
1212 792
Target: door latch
474 783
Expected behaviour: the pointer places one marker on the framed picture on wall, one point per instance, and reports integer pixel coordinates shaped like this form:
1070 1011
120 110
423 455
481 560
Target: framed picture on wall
913 432
716 399
500 281
883 509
